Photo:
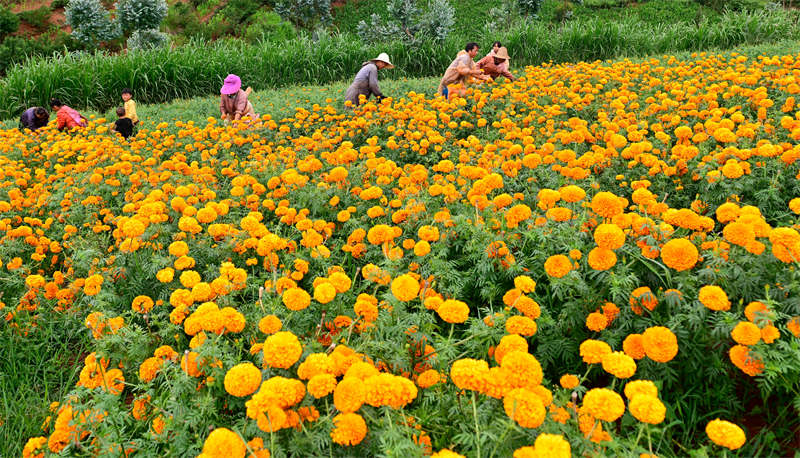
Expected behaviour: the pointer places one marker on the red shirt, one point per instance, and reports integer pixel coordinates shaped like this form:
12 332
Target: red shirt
488 66
69 118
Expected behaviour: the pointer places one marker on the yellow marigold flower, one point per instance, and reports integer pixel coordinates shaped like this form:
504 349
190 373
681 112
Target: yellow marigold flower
321 385
551 446
453 311
572 193
679 254
340 281
524 283
469 374
725 434
746 333
446 453
242 380
619 364
405 287
755 309
640 387
742 358
224 443
361 370
521 325
714 298
324 292
349 395
557 266
178 248
165 275
422 248
660 344
282 350
592 351
596 321
609 236
569 381
34 448
270 324
349 429
604 404
524 407
647 409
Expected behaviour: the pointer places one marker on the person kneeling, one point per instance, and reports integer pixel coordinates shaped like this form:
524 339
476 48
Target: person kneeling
123 125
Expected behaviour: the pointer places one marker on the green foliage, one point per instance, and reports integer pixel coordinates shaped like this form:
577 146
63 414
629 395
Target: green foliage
142 40
17 50
140 14
56 4
181 18
529 7
409 22
9 22
90 22
267 26
37 18
305 14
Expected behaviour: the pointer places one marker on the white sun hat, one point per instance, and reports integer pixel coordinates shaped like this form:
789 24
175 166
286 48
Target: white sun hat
383 57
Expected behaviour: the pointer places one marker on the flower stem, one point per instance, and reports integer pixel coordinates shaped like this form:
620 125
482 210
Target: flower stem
477 431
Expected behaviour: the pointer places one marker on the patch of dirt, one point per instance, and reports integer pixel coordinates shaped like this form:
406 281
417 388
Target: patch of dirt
57 18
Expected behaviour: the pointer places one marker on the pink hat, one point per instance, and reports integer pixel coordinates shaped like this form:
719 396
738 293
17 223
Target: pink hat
232 85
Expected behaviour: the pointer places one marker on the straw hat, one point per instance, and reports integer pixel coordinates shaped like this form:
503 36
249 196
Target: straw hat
232 85
383 57
501 53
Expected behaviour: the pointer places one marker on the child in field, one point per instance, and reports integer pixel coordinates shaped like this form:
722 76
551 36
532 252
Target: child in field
130 106
123 125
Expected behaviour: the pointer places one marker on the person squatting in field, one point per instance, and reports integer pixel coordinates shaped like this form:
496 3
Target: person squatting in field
460 71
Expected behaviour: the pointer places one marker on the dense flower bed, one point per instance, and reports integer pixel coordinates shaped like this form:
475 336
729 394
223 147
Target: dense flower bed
597 259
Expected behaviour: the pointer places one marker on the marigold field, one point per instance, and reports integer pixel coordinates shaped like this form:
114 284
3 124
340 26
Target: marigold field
599 259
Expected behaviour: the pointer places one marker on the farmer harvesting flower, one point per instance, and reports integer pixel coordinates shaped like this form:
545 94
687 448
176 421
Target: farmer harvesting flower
34 118
67 117
496 47
496 64
366 80
233 104
460 71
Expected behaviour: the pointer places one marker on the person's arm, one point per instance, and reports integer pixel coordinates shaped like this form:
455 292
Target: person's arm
61 119
130 111
506 73
222 112
241 105
373 82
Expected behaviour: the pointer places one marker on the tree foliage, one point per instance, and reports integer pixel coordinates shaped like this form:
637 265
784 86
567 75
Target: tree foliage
140 14
90 22
305 14
409 23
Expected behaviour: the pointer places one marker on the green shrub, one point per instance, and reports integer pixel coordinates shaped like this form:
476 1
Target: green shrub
140 14
406 21
9 22
268 26
305 14
238 11
90 22
182 19
147 39
38 18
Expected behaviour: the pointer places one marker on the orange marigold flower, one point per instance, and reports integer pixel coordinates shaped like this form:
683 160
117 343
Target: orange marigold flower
349 394
746 333
469 374
509 343
607 205
592 351
647 409
453 311
270 324
642 296
619 364
405 287
633 346
770 333
725 434
349 429
224 443
521 325
604 404
429 378
679 254
596 321
640 387
321 385
524 283
755 309
324 292
569 381
609 236
660 344
524 407
557 266
742 358
602 259
142 304
282 350
242 380
714 298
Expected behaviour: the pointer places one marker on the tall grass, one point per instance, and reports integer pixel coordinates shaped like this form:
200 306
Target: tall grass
157 76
